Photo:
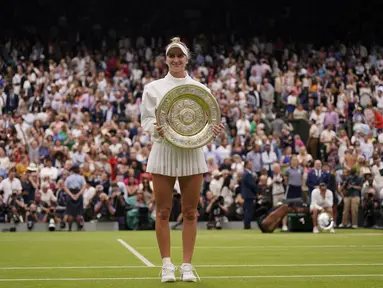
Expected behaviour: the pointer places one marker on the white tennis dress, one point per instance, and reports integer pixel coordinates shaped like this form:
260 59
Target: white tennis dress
164 158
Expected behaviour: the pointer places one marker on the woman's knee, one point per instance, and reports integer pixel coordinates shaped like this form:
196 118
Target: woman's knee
163 213
189 213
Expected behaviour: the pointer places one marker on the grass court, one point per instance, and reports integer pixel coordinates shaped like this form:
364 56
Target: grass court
227 258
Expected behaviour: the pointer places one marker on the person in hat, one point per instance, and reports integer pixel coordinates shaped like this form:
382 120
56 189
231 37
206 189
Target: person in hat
167 162
321 201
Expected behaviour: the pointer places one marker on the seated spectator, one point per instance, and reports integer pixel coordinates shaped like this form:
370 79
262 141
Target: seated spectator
300 113
47 195
146 186
138 213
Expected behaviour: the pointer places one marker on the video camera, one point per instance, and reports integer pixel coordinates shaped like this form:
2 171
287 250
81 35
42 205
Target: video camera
218 201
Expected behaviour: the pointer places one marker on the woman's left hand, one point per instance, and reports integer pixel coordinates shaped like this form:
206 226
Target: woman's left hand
217 129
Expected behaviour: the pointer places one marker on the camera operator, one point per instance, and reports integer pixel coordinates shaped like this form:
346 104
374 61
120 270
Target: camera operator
119 203
104 209
215 210
62 199
351 188
36 211
370 208
16 207
264 194
3 211
51 217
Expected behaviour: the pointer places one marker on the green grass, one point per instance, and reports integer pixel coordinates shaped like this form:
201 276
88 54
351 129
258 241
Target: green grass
349 258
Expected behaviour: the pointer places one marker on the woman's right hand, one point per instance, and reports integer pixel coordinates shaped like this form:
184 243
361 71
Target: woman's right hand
160 129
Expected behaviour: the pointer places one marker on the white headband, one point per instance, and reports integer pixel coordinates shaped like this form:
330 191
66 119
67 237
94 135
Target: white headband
177 45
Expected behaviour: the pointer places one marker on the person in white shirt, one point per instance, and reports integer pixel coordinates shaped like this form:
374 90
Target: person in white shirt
88 195
367 148
49 170
278 190
322 200
379 98
47 195
223 151
312 144
115 147
242 124
326 138
10 184
378 178
216 183
268 158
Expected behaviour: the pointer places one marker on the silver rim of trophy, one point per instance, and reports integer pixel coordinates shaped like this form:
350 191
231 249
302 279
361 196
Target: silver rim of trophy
188 114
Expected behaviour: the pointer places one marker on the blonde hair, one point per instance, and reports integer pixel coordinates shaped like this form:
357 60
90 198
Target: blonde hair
177 40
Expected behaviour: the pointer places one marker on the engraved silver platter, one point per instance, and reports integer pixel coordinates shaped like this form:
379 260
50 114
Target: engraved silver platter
188 114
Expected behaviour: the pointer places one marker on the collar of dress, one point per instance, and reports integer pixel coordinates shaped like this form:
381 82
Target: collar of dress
171 78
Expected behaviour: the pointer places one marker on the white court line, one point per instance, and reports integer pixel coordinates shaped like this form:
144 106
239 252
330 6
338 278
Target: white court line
205 277
200 266
294 235
135 253
224 236
271 246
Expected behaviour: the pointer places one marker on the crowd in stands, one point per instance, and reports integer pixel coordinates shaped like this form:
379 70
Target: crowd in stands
60 110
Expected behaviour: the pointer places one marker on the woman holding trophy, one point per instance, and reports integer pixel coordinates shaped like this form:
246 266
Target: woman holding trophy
167 162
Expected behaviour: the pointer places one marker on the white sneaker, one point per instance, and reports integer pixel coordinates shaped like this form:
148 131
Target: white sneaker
341 225
167 273
284 228
332 230
315 230
186 273
354 226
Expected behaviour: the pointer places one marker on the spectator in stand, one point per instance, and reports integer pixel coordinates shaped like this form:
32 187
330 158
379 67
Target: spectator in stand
84 109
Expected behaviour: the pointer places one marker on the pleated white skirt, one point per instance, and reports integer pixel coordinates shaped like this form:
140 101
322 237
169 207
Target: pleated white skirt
166 159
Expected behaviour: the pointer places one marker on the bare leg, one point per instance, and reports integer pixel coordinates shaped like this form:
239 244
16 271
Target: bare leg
190 191
70 221
284 221
271 222
163 195
330 212
315 217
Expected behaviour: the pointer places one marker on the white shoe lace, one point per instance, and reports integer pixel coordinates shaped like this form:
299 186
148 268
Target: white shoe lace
189 268
167 269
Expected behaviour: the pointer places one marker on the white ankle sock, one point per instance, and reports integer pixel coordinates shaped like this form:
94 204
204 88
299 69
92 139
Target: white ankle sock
166 260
